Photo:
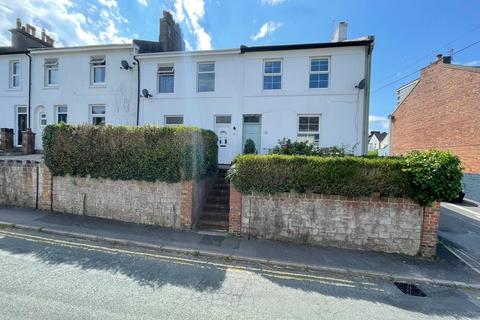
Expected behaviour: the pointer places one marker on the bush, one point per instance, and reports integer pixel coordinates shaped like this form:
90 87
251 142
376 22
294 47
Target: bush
424 177
373 153
147 153
287 147
434 175
249 147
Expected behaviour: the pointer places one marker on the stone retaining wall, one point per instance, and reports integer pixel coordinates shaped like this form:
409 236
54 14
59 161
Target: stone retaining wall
31 185
394 225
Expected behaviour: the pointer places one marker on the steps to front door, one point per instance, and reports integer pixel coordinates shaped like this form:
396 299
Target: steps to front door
217 206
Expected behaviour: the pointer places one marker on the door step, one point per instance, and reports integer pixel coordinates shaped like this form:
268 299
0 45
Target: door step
217 207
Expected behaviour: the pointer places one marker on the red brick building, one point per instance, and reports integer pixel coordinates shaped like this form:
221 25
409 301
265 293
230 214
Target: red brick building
442 111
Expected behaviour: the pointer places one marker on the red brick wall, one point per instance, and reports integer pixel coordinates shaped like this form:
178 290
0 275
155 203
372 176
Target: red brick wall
234 216
429 238
186 205
442 112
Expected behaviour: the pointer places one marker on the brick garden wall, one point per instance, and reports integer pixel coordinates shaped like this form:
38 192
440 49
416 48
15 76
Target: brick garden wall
393 225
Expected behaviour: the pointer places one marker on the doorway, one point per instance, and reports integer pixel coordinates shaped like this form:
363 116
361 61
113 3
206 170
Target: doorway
223 129
252 129
21 123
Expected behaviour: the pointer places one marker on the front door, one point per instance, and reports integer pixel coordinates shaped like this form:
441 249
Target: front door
252 130
223 129
22 123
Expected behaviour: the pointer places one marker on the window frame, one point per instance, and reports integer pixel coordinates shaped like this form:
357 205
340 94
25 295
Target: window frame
264 74
48 68
13 76
95 64
309 115
310 72
173 116
97 115
165 73
205 72
57 113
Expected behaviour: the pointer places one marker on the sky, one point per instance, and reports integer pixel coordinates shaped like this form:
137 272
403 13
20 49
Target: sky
408 34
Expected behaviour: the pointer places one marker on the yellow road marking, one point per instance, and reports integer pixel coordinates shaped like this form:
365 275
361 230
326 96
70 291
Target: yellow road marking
186 261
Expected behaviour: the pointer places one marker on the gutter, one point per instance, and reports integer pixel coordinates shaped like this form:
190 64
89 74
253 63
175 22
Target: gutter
29 87
366 93
138 89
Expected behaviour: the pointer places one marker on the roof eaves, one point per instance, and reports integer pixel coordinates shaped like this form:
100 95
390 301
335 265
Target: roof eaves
351 43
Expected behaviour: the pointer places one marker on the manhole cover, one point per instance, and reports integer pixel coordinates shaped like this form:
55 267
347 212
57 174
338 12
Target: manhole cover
410 289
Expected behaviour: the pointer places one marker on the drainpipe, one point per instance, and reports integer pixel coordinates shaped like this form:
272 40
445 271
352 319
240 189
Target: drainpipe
138 89
366 92
29 86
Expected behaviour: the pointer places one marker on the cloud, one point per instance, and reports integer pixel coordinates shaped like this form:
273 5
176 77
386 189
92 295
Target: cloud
378 120
68 23
272 2
191 12
473 63
266 29
143 2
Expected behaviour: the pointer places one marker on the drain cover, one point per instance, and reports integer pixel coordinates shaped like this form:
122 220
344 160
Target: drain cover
410 289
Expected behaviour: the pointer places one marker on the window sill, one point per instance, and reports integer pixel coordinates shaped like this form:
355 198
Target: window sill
14 89
51 87
97 86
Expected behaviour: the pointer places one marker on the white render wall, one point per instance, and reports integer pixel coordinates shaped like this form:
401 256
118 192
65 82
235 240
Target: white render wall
239 91
11 98
74 89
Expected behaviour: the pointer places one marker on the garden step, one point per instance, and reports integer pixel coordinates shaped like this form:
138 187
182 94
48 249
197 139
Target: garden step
216 207
224 198
214 215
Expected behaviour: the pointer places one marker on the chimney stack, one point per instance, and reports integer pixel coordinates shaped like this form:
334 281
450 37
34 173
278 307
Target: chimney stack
19 23
340 33
44 35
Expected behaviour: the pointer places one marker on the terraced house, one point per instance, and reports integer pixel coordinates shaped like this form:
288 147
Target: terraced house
316 92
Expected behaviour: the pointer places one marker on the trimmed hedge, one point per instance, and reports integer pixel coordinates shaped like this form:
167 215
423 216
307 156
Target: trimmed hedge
147 153
349 176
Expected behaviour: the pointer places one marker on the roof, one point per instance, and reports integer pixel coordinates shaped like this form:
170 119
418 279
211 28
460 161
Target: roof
10 50
83 48
349 43
380 135
146 46
407 84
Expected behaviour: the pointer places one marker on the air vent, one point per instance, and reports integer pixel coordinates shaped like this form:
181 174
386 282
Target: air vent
410 289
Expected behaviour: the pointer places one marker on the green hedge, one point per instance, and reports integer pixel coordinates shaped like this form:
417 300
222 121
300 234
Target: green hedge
348 176
147 153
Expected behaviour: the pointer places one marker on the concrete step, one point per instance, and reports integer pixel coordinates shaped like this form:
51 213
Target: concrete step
216 207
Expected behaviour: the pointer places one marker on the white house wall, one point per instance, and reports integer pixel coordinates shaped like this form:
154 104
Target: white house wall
239 91
11 98
75 91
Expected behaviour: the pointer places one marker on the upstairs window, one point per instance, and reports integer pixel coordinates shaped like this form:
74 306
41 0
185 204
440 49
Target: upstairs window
97 70
173 120
206 77
309 129
62 114
14 82
51 72
97 114
166 77
272 75
319 73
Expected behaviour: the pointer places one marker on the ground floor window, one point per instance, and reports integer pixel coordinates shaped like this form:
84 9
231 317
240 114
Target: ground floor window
309 129
173 120
62 114
97 114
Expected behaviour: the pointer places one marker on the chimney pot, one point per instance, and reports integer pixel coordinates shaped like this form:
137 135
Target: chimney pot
19 23
439 56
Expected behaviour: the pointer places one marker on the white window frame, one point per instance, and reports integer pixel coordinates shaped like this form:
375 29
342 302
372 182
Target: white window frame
42 116
173 116
264 74
51 64
98 62
319 116
165 69
205 72
58 112
97 115
319 72
15 76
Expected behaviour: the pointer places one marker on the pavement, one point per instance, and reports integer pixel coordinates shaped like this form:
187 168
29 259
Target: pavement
46 276
459 230
446 271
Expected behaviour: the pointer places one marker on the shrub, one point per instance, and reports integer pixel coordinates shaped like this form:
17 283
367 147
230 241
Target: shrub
424 177
348 176
287 147
147 153
434 175
373 153
249 147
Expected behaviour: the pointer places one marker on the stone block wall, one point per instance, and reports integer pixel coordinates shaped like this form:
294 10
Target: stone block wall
394 225
18 184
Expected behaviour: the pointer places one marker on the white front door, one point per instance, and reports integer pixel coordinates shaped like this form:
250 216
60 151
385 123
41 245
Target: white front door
223 129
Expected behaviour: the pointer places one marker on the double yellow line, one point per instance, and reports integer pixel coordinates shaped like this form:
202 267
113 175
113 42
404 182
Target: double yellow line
285 275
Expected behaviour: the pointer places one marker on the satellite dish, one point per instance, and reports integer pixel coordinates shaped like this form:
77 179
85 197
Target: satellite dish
125 65
145 93
361 85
